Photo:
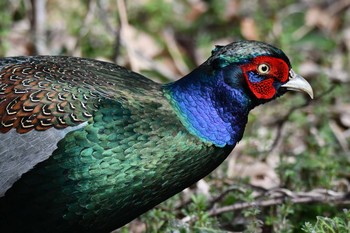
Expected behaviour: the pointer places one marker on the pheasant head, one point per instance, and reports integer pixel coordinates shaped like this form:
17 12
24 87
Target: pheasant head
214 100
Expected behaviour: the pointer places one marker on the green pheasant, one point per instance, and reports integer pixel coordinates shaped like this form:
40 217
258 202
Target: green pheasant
87 146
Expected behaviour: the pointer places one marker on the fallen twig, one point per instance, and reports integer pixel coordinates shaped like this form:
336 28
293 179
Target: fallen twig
278 196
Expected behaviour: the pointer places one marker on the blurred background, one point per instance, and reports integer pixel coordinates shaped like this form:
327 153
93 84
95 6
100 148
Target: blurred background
291 171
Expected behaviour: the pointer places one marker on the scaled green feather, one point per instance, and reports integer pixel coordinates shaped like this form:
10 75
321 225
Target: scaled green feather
126 158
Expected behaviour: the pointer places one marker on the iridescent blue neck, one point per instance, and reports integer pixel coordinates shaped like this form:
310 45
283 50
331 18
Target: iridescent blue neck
211 107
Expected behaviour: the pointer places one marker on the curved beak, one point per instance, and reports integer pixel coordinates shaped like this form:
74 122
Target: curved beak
298 83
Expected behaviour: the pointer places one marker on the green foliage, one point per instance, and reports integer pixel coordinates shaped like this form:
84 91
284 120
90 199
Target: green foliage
198 208
279 218
338 224
157 15
5 23
164 220
159 220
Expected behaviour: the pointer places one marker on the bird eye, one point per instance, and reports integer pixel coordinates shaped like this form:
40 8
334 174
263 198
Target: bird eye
263 68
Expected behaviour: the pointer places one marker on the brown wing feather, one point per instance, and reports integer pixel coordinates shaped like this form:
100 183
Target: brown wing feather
37 96
54 91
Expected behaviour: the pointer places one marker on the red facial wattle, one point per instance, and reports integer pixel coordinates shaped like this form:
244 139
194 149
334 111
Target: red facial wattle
262 84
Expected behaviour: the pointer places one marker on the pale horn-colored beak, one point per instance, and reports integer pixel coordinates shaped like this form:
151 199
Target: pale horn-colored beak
298 83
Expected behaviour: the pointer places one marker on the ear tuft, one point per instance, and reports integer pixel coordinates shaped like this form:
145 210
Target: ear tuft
217 48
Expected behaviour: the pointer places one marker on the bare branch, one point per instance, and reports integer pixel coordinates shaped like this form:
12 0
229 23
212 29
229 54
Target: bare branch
125 34
174 51
277 196
280 196
38 26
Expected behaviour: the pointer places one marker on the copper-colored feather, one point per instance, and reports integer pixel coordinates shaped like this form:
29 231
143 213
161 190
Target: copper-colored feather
38 97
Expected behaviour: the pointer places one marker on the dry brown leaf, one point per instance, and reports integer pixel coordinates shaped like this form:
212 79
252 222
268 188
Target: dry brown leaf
342 111
249 29
232 9
260 174
317 17
144 43
345 119
19 40
336 72
339 135
198 8
309 68
203 187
